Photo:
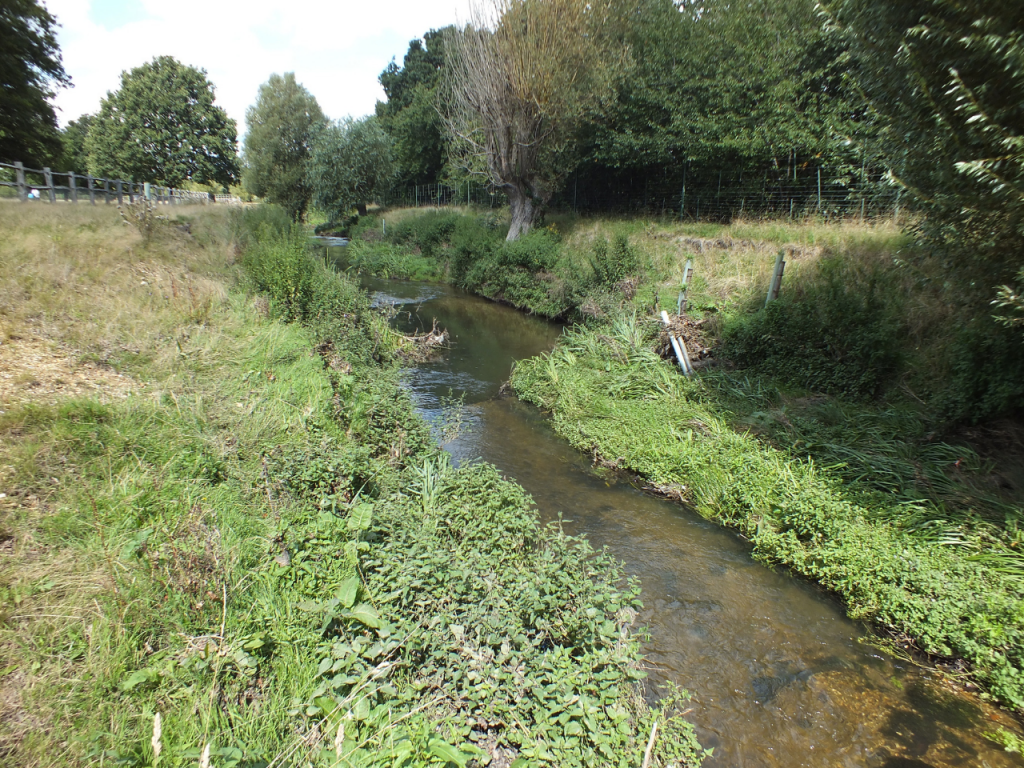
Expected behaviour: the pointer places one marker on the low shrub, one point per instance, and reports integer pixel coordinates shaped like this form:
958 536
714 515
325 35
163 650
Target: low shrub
426 232
839 332
612 265
986 372
248 221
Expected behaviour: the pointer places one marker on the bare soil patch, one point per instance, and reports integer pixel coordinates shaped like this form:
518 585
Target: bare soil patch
37 370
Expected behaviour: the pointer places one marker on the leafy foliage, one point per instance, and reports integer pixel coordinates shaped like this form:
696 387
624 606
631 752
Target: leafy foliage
281 125
714 86
410 114
30 71
837 331
945 82
162 125
351 164
74 153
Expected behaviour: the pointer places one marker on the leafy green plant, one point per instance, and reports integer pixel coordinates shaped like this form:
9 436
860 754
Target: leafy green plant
838 332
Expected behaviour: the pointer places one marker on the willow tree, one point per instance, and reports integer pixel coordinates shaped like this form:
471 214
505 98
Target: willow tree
520 78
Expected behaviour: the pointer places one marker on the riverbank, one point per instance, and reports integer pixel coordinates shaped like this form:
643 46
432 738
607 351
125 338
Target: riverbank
614 398
854 486
236 537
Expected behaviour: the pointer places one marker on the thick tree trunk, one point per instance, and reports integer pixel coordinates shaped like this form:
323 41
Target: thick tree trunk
524 212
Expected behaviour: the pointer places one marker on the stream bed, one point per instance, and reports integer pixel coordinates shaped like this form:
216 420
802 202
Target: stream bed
779 676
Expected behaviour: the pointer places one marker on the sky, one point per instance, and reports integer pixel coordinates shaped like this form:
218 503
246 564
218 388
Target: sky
336 48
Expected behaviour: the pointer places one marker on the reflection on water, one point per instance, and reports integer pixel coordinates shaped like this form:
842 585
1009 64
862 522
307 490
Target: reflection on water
779 675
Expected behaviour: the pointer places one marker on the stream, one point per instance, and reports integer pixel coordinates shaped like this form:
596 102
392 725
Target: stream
779 676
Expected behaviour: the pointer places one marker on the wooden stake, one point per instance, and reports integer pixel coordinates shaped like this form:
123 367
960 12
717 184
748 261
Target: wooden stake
687 274
776 283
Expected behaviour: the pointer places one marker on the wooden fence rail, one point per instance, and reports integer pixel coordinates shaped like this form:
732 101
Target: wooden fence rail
110 189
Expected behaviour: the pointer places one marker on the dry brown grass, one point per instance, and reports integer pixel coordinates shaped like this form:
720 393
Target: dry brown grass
77 285
731 260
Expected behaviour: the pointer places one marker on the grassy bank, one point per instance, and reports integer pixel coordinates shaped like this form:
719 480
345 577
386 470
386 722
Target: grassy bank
227 539
866 525
830 427
865 312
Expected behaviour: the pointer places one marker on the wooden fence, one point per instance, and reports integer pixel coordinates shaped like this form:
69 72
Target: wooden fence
41 184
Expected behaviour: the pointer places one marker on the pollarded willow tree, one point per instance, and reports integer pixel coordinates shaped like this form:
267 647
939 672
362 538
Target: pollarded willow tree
520 79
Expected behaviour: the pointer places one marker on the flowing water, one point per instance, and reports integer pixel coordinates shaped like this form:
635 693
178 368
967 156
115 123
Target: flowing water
779 676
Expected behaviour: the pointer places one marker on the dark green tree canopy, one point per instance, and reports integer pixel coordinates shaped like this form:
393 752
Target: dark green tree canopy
281 126
30 71
410 113
74 155
162 125
714 85
944 82
352 163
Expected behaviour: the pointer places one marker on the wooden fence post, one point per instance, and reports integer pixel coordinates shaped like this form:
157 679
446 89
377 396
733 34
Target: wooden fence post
20 171
776 284
48 180
687 274
106 191
92 189
120 192
72 188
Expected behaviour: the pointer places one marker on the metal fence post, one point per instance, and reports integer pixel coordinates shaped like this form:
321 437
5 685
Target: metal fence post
819 189
147 191
92 189
22 191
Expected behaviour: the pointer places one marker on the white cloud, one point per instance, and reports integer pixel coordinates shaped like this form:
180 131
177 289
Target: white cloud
336 49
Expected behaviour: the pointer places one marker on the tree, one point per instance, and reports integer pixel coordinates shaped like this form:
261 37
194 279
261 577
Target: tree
74 156
410 114
520 79
30 71
281 125
944 80
162 126
752 89
351 164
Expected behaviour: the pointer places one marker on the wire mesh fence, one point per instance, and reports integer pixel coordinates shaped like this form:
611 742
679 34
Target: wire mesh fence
723 195
708 196
465 193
